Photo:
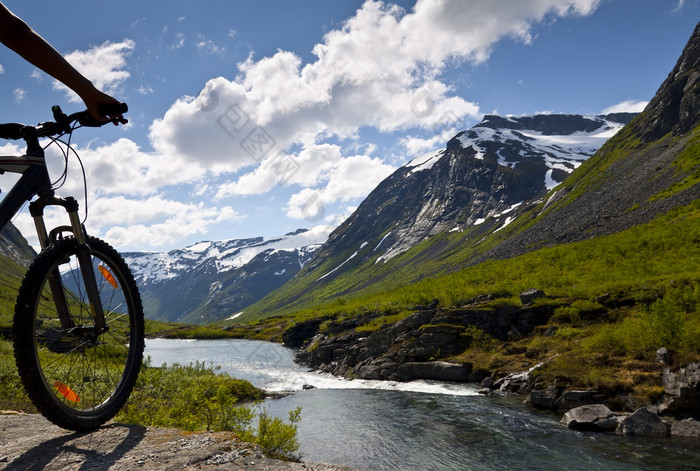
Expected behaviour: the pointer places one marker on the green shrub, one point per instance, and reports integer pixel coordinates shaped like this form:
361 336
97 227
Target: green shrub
671 322
566 315
480 339
606 339
568 333
196 397
277 438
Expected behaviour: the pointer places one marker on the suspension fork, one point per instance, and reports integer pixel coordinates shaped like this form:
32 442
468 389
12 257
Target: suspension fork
36 209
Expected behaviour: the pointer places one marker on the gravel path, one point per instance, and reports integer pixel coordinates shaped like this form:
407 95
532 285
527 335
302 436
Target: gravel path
30 442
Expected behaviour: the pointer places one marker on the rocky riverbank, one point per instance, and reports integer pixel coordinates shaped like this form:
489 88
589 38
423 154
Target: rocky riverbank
405 350
677 412
416 348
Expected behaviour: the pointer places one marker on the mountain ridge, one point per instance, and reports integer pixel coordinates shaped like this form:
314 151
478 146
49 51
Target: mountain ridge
211 280
475 185
650 167
483 171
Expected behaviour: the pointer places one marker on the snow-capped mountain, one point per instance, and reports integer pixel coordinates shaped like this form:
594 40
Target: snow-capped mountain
209 281
483 174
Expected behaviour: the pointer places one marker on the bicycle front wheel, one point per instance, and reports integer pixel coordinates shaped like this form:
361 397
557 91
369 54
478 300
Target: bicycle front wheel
77 376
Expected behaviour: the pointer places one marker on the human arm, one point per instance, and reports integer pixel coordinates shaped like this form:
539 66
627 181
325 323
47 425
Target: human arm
18 36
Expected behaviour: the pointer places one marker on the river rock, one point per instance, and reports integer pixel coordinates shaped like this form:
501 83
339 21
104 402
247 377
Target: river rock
681 391
592 417
542 398
576 398
376 369
642 422
478 375
434 370
422 337
686 428
434 340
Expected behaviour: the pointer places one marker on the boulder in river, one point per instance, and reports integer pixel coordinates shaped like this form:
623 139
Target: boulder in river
592 417
686 428
642 422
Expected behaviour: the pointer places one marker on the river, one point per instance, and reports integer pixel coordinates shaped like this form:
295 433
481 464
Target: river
420 426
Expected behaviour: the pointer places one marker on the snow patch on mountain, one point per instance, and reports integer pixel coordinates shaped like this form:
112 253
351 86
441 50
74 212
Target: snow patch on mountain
425 162
563 152
223 256
339 266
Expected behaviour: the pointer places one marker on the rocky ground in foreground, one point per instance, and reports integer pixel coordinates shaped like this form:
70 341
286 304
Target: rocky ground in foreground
31 442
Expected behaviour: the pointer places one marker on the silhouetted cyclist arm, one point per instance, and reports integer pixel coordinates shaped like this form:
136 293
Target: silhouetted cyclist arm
18 36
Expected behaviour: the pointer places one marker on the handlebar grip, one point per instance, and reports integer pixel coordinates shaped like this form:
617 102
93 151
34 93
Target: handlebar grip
114 109
11 131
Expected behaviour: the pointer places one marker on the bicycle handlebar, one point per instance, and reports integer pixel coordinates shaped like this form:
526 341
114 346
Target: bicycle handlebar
62 123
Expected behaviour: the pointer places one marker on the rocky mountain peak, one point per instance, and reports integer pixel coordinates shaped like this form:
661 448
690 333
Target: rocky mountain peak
676 106
553 124
483 173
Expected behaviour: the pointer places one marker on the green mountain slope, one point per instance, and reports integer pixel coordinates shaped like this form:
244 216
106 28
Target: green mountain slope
11 275
15 257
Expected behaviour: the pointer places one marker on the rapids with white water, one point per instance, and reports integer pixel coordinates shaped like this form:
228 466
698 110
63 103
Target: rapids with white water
419 426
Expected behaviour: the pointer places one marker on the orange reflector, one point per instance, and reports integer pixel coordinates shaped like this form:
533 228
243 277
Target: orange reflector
108 276
66 392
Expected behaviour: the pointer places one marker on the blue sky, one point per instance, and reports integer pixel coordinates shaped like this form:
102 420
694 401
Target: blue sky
257 117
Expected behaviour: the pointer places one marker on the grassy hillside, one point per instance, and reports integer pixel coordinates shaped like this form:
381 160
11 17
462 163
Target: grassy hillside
639 263
11 275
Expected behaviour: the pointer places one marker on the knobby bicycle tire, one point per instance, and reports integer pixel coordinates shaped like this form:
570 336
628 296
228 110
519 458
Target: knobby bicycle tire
76 378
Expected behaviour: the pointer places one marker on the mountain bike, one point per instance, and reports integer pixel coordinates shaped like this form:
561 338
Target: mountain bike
78 332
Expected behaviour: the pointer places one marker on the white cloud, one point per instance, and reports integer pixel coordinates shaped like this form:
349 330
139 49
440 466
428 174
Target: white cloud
2 69
678 8
380 69
292 122
416 146
157 220
19 94
179 41
123 186
208 46
629 106
121 167
154 221
354 177
308 167
104 65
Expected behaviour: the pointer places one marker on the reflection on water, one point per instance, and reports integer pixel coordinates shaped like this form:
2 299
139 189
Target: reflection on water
421 426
